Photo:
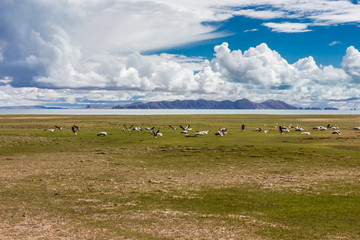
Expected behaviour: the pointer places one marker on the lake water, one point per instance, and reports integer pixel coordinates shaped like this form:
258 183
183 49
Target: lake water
173 111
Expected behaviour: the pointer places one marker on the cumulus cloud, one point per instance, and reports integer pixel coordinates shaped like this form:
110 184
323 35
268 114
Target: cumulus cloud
259 65
351 63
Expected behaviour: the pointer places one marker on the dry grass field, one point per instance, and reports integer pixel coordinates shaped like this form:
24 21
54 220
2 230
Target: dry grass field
128 185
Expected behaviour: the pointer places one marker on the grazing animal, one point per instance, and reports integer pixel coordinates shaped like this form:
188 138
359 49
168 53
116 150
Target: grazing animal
243 127
101 134
280 129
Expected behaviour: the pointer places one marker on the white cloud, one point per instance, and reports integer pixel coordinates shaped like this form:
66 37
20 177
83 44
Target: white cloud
335 43
287 27
251 30
81 48
258 73
260 65
351 63
260 14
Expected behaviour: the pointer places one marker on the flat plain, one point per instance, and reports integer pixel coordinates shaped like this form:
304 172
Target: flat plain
128 185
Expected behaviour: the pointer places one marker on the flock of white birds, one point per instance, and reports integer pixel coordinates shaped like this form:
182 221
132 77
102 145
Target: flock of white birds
223 131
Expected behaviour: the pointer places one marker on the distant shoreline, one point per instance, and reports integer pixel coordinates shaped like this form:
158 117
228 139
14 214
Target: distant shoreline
174 112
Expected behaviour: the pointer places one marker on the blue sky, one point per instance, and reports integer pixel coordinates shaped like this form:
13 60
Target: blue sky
326 44
73 53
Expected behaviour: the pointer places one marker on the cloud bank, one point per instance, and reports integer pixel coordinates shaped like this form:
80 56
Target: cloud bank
67 51
258 73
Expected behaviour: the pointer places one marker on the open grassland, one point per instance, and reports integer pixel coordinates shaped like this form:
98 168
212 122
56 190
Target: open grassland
127 185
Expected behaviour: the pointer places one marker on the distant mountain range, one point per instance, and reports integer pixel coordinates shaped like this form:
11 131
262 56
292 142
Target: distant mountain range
207 104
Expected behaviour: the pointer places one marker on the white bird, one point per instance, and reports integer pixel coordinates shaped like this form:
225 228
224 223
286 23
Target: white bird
201 132
155 134
266 131
185 129
336 132
50 130
138 129
356 128
149 128
321 128
297 128
305 133
257 129
221 132
101 134
285 129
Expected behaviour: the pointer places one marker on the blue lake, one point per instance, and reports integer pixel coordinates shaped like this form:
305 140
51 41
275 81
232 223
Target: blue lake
172 111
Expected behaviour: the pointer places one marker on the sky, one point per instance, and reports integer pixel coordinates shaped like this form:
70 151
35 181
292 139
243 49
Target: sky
72 53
